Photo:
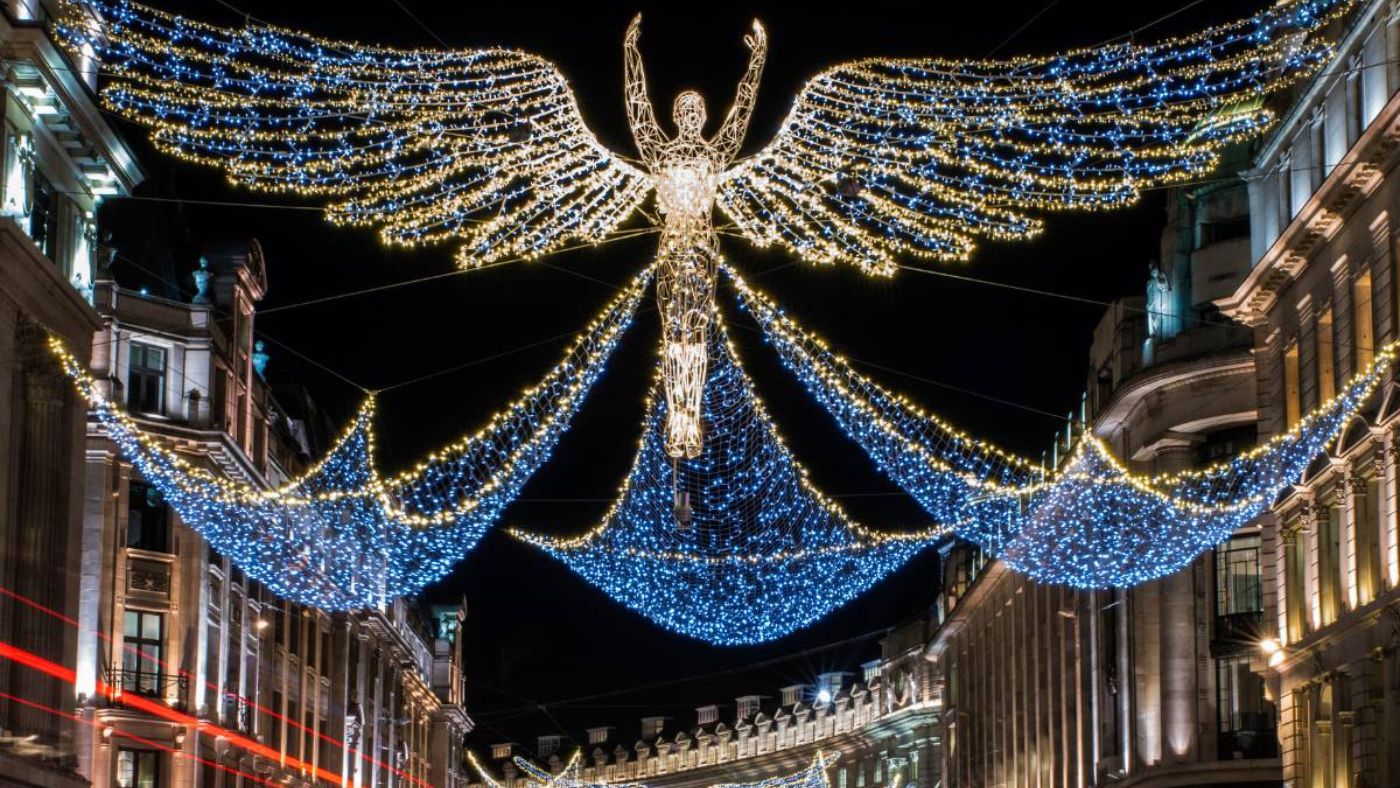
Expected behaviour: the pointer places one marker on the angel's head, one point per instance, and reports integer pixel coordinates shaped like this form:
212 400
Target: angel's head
689 113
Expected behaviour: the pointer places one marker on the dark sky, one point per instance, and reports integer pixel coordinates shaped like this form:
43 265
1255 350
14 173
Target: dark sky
535 633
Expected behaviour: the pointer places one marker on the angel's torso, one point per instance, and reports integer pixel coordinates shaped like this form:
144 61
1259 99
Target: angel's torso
686 177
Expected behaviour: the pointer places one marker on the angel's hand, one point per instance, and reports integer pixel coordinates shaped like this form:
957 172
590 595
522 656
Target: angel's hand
634 31
758 39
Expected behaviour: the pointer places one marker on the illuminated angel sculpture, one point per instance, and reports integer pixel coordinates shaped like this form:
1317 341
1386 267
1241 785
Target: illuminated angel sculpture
877 159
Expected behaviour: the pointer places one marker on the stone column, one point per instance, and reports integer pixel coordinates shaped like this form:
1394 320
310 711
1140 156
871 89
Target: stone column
9 435
1353 503
1178 642
1312 590
41 539
1390 508
1321 760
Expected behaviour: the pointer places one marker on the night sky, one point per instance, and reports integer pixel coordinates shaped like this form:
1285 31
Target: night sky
536 634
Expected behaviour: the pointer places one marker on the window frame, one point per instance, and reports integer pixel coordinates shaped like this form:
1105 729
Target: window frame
147 649
147 375
153 757
159 514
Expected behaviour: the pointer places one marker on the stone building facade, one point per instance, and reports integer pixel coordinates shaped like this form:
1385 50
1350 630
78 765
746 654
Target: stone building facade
58 158
167 667
262 689
882 718
1322 297
1045 685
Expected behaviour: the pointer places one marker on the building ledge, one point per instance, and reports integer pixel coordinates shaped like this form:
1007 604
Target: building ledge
1262 771
1360 173
1129 394
33 773
37 285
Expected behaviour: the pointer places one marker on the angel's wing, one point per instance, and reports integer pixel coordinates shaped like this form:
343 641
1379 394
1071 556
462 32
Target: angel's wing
487 147
925 157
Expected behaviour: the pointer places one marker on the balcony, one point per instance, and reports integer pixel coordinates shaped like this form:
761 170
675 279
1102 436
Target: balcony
154 684
1257 737
1237 633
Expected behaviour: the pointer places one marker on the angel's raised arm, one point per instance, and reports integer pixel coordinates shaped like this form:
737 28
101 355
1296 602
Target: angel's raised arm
731 134
641 116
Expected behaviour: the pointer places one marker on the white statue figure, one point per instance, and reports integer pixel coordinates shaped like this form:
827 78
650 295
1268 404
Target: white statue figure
1158 301
879 160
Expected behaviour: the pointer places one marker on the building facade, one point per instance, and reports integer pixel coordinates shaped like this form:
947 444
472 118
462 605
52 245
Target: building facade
136 656
1321 299
58 158
1045 685
882 718
262 689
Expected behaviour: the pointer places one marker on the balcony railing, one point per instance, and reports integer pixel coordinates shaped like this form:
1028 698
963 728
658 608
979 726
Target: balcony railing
238 714
1237 633
149 683
1257 737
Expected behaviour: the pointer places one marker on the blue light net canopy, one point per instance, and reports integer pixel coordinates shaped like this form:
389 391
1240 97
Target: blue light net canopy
343 536
1090 523
735 546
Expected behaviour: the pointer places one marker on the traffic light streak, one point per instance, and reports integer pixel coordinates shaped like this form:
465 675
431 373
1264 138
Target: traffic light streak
227 693
128 735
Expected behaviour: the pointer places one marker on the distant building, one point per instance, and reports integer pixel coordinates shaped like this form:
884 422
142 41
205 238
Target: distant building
884 723
58 158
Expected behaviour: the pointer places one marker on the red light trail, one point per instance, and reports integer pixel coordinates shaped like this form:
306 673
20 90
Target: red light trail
16 654
128 735
228 693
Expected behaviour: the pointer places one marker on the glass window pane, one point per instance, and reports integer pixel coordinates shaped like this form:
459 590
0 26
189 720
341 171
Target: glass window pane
148 766
133 627
150 628
126 769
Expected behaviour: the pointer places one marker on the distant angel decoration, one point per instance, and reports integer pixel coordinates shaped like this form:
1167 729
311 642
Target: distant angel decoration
878 158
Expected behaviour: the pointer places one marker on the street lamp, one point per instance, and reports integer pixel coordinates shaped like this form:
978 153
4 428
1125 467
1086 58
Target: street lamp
1271 648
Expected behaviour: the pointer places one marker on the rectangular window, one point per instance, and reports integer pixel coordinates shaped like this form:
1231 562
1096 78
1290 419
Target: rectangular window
294 636
1238 581
1292 409
293 737
1329 563
326 748
1356 103
1326 355
276 721
1363 322
145 380
311 642
1368 548
43 216
147 518
308 736
1294 569
1246 718
138 768
143 652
